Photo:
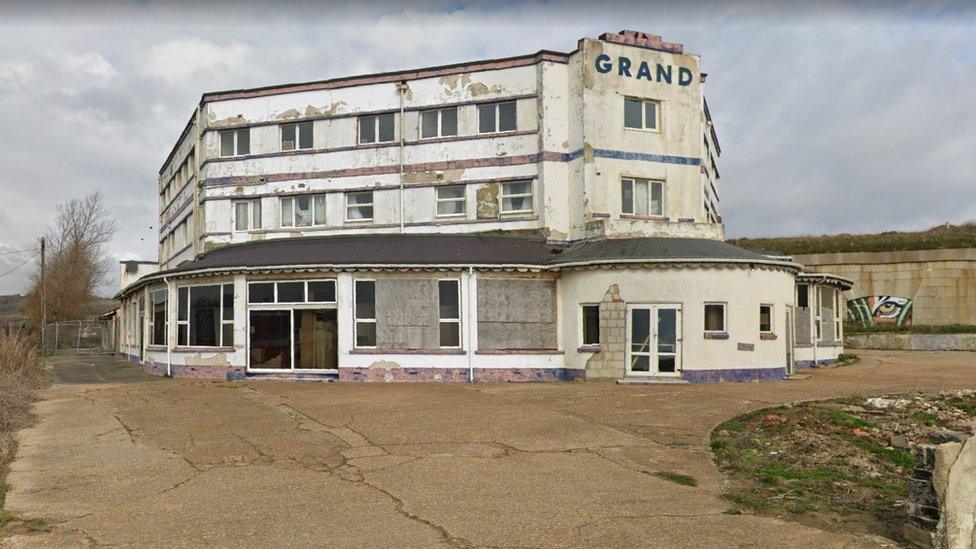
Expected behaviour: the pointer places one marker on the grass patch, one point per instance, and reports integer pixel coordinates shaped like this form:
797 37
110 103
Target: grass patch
897 456
943 236
912 329
677 478
927 418
843 418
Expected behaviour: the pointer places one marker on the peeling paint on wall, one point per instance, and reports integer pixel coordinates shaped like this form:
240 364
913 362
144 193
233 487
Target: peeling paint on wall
487 201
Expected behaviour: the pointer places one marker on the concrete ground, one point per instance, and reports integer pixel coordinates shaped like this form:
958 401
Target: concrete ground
180 462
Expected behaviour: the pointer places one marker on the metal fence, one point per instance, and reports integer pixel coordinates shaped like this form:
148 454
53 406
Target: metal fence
80 337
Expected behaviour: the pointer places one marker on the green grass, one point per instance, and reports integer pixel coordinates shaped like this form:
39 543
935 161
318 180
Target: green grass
957 236
843 418
899 457
677 478
914 329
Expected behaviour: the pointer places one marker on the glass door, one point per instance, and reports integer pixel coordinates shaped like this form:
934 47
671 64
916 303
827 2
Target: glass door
654 343
293 339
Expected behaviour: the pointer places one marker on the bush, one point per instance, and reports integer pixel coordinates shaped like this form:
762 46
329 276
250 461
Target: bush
21 375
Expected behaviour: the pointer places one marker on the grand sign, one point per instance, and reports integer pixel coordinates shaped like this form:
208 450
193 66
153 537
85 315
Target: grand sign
625 67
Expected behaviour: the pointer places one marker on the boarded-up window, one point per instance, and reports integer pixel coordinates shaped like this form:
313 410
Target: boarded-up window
516 314
407 313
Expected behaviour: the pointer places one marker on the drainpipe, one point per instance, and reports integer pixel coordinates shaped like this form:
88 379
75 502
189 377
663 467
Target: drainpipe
402 89
169 346
470 324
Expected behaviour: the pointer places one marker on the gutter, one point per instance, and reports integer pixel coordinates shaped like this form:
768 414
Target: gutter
470 327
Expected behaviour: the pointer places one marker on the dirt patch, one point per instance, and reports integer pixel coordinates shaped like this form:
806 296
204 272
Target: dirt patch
839 464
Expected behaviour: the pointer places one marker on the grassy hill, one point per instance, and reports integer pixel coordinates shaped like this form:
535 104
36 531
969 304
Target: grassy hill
943 236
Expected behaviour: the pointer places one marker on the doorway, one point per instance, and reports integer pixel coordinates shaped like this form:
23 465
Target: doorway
293 339
654 340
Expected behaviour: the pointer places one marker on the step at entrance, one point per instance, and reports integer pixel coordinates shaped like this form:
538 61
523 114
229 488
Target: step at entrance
292 376
634 380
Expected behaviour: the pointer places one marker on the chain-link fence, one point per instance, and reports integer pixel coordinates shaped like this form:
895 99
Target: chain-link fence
80 336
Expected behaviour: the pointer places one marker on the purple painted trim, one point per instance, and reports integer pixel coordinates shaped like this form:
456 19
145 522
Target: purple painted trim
736 375
806 364
460 374
716 335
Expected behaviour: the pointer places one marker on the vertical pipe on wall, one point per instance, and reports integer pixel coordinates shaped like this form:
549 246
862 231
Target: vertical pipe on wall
402 89
169 323
470 323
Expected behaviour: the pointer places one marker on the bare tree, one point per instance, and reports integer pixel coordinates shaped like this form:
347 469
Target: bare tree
77 261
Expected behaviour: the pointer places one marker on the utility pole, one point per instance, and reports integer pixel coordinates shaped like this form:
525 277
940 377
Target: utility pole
43 299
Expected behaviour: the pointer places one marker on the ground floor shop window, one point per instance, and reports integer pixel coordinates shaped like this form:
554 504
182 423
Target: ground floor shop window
365 313
157 317
206 316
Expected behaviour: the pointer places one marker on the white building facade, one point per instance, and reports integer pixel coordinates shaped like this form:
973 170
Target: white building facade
548 216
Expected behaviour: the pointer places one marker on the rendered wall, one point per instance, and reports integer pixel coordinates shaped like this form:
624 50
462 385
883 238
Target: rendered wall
940 283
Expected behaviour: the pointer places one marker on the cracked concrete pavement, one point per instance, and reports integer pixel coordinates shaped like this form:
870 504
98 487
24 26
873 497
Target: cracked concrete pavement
181 462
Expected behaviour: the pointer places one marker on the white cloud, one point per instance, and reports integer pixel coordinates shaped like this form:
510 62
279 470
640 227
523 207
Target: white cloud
177 61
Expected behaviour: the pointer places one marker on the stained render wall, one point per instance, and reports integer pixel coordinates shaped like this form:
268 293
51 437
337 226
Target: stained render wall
941 283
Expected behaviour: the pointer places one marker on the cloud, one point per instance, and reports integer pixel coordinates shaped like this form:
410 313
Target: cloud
832 116
178 61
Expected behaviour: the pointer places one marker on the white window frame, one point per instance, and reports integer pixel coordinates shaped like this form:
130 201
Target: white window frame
274 293
448 320
582 324
355 314
657 114
634 182
372 206
312 198
298 135
725 317
440 123
502 196
838 320
151 323
463 200
220 308
254 211
772 319
817 316
236 134
376 128
498 119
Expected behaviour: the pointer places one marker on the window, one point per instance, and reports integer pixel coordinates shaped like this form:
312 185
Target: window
365 313
641 197
641 114
297 291
157 317
439 123
766 319
235 142
838 328
591 324
714 317
376 128
496 117
449 298
206 316
359 206
303 210
516 197
247 215
802 296
450 201
296 136
817 314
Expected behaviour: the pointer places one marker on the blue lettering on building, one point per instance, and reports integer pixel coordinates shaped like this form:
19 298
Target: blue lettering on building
662 73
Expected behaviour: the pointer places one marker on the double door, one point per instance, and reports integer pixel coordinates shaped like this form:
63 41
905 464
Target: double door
654 340
293 339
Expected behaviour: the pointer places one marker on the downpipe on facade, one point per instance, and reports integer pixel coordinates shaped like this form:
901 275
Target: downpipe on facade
402 88
169 346
469 328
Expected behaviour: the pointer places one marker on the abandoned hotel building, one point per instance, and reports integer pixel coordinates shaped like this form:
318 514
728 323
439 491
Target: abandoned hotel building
551 216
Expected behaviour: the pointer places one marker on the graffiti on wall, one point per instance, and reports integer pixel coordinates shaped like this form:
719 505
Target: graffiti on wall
880 310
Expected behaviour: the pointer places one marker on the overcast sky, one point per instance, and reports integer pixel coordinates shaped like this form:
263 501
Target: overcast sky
833 117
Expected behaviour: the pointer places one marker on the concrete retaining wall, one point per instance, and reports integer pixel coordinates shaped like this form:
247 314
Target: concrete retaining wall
913 342
940 283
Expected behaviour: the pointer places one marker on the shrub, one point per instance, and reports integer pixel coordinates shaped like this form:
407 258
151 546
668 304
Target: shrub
21 375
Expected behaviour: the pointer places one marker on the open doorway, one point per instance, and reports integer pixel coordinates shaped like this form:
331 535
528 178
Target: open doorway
293 339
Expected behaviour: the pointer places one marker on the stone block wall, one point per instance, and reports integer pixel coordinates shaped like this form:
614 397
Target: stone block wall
942 496
611 361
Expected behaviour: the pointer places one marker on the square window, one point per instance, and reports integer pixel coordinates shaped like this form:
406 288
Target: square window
247 215
438 123
291 292
765 319
359 206
714 317
260 292
296 136
450 200
591 324
321 291
641 114
641 197
298 211
497 117
516 197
